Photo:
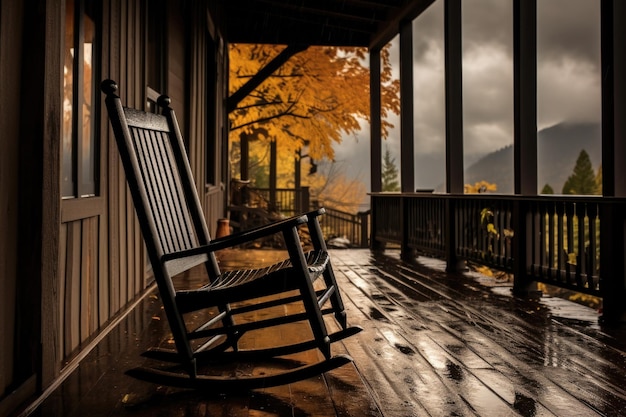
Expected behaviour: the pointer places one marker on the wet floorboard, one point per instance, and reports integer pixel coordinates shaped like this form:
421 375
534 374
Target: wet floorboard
434 344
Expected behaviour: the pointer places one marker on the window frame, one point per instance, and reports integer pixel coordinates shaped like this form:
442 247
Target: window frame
85 179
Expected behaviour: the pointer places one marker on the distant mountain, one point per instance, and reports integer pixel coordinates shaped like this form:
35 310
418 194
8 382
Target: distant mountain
558 147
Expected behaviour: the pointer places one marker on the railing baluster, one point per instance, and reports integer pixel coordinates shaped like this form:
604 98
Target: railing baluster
564 246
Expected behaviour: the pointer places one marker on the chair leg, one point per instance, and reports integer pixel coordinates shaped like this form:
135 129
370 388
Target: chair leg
335 298
227 322
329 276
309 297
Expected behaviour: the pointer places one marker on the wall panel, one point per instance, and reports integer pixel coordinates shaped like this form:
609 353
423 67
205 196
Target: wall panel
10 27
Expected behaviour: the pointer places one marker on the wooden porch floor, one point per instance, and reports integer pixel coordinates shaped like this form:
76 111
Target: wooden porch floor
434 344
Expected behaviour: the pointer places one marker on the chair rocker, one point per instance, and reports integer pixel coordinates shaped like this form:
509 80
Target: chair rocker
177 239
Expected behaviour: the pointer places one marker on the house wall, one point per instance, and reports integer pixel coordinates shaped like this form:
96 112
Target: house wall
10 50
87 260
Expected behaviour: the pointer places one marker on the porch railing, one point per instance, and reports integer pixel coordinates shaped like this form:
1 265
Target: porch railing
556 239
290 201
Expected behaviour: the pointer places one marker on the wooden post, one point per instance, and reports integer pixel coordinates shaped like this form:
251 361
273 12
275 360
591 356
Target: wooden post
406 253
454 97
454 125
525 135
244 163
273 161
305 199
298 182
612 221
375 138
375 125
525 96
364 219
406 108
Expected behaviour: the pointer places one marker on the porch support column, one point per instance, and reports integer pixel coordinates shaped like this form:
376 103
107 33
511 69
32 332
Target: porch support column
407 177
525 134
375 138
454 96
525 96
375 123
613 221
406 108
454 123
613 32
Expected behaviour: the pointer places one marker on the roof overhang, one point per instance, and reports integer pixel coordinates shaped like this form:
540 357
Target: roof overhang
363 23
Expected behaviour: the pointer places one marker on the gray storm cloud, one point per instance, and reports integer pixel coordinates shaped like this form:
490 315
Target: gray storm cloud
568 73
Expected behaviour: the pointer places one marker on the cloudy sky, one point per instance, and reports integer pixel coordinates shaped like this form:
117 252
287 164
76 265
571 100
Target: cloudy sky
568 43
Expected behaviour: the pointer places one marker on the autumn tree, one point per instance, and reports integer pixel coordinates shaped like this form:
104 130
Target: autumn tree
389 173
312 100
318 95
583 178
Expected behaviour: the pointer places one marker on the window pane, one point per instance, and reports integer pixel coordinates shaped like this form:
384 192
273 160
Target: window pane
67 177
88 138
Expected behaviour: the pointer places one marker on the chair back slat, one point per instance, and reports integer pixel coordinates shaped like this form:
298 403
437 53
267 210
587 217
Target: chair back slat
168 211
161 177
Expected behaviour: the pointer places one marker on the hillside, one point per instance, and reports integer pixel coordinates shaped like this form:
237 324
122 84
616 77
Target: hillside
557 149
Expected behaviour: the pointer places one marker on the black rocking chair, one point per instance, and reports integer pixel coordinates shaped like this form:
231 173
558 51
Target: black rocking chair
177 239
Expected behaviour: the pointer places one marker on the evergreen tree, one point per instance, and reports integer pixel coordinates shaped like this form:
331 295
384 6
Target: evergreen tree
583 178
390 173
547 189
599 181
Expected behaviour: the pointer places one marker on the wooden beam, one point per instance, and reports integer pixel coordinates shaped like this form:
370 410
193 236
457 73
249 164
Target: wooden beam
262 75
392 26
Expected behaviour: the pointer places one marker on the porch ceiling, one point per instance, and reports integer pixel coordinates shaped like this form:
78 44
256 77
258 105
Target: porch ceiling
368 23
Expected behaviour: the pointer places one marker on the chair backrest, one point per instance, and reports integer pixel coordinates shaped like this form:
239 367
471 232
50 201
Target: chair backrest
159 178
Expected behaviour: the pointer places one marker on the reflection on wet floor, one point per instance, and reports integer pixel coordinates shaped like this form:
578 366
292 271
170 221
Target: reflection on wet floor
434 344
470 348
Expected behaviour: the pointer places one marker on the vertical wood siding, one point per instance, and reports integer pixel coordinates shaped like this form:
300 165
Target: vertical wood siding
92 262
101 262
102 265
125 45
10 26
80 284
199 136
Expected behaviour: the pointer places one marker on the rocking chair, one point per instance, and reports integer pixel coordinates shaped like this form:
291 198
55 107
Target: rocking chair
177 239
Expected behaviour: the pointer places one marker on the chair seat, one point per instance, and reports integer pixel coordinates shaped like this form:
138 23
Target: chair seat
239 285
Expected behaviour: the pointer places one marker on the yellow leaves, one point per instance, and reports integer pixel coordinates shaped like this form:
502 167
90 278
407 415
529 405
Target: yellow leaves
480 187
317 96
492 229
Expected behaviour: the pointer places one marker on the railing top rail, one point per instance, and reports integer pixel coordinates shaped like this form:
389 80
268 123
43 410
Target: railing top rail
510 197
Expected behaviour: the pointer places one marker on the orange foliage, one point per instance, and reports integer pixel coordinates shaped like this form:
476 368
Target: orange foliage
315 98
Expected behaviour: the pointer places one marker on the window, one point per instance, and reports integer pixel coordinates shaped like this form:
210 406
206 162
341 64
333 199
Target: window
79 170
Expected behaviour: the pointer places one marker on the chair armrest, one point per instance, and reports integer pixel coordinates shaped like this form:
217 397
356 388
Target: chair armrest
240 237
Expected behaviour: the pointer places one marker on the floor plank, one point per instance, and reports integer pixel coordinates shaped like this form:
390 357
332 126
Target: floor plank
433 344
